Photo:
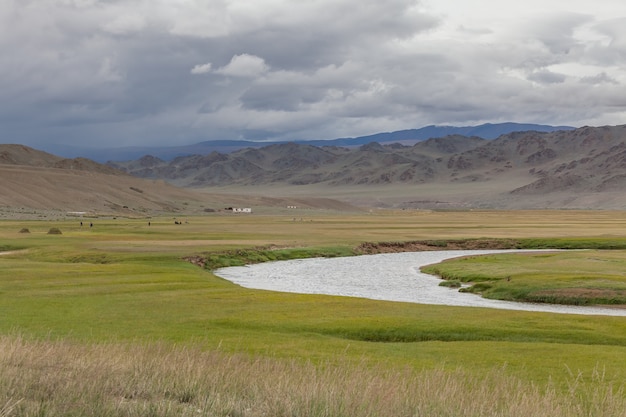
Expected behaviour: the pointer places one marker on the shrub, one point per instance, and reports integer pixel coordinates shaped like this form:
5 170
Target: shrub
54 231
450 284
477 289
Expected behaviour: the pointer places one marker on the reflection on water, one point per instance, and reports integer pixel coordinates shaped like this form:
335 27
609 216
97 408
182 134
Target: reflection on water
392 277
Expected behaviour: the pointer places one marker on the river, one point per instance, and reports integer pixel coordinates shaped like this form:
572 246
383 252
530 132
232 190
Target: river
391 277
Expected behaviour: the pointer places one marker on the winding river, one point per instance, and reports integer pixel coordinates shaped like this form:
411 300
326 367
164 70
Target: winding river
391 277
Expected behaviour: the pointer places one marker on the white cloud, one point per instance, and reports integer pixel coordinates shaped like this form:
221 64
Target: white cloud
78 3
202 19
125 24
201 68
244 65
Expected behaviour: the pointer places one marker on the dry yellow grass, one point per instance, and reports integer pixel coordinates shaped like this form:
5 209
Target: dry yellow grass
61 378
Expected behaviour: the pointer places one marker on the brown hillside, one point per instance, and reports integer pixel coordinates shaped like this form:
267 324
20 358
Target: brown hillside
37 180
23 155
56 189
36 184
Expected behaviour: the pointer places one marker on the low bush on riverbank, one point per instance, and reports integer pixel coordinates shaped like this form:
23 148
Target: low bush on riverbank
573 243
241 257
490 243
162 380
450 283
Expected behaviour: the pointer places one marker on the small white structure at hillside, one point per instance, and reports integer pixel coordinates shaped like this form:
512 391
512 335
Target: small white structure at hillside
247 210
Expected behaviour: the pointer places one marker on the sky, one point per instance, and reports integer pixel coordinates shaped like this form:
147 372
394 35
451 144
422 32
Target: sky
110 73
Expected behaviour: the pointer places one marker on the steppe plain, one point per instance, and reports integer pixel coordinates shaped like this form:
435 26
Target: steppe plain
118 318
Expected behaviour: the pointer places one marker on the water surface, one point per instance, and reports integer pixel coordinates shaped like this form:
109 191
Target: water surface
392 277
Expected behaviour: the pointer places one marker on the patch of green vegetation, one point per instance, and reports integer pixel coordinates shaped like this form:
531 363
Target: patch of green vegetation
242 257
477 288
98 258
10 247
573 243
450 284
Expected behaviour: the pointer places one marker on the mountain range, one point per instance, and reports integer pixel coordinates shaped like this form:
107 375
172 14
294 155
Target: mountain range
584 167
407 137
581 168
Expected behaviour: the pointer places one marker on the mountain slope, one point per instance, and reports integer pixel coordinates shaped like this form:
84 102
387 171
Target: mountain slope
42 181
13 154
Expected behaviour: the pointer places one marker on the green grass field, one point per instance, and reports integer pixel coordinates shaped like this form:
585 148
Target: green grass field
592 277
124 283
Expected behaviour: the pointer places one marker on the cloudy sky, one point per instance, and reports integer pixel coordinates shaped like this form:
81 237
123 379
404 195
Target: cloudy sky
167 72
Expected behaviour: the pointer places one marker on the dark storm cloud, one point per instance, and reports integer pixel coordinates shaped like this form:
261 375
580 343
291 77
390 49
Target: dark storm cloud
109 73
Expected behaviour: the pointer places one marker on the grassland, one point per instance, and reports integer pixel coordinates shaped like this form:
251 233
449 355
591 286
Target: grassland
589 278
116 307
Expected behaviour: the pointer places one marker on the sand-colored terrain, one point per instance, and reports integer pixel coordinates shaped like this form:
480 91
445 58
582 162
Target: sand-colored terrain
39 192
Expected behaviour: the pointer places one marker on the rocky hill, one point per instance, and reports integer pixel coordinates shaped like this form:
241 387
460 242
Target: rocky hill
584 168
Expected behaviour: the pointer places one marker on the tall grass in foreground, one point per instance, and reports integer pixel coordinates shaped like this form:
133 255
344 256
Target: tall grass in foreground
61 378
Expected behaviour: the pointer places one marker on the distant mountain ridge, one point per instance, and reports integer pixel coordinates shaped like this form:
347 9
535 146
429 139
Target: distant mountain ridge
407 137
410 136
527 168
450 158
